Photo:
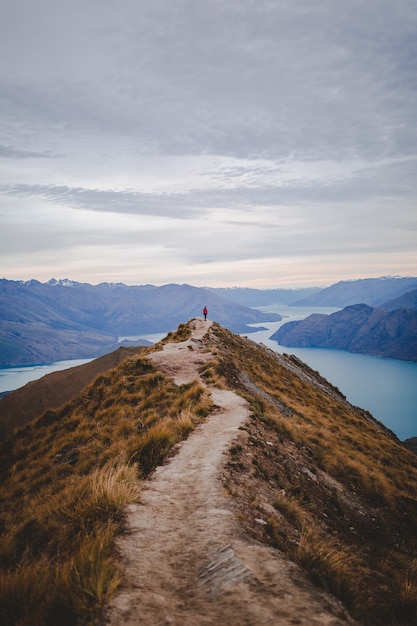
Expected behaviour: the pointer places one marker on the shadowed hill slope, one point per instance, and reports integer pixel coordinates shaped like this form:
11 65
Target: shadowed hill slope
51 391
312 483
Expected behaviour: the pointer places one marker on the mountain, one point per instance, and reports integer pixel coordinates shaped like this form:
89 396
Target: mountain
308 514
44 322
371 291
51 391
358 328
263 297
406 301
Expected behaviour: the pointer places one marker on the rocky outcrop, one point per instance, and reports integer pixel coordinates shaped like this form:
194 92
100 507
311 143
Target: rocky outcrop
358 328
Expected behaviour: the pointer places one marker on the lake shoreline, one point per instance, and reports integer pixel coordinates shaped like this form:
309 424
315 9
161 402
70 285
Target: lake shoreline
386 388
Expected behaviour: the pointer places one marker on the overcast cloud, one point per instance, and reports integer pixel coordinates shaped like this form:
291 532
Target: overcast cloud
217 142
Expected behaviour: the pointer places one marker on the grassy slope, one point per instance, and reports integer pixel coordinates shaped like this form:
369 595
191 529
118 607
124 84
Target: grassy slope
51 391
324 482
65 480
333 489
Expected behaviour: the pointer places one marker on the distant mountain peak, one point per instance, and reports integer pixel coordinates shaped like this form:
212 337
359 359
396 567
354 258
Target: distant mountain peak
63 282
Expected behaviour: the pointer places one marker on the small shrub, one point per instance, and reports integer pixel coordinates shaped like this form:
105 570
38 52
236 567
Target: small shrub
182 333
87 580
184 424
154 447
329 566
407 600
291 510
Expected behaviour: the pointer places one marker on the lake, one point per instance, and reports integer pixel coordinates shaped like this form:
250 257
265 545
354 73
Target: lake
387 388
12 378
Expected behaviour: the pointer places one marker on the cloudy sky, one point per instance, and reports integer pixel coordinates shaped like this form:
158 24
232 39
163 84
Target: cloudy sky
256 143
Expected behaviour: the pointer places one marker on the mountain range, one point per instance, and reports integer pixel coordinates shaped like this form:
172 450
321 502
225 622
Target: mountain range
62 319
389 330
372 291
263 297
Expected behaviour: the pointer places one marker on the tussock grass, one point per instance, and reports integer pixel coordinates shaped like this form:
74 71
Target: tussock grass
330 567
210 375
154 446
65 482
344 489
407 583
291 510
182 333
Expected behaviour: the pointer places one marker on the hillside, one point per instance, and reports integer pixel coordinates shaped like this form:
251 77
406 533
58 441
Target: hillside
371 291
51 391
358 328
406 301
285 505
44 322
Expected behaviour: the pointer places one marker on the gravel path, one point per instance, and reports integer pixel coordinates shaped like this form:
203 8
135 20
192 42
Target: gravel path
186 559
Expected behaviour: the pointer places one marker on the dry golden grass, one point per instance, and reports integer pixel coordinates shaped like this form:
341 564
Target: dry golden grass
344 489
341 491
210 376
65 481
182 333
330 567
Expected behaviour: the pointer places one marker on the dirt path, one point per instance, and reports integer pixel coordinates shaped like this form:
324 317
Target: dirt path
186 559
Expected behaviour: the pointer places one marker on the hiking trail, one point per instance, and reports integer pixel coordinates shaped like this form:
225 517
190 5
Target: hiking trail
185 556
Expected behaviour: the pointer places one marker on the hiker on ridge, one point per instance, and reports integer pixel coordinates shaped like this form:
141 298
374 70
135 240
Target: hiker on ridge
205 311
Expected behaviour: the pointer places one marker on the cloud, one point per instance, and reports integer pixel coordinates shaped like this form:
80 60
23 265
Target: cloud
10 152
105 200
235 79
229 132
245 187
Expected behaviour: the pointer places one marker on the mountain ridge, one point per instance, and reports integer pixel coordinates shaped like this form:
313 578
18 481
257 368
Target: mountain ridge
64 319
371 291
359 328
44 322
307 475
253 297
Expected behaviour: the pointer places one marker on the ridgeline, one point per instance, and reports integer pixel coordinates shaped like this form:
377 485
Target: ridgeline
307 513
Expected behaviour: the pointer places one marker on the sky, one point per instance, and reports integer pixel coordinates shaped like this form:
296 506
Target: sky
257 143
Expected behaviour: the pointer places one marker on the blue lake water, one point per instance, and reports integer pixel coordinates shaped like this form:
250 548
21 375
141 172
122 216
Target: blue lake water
387 388
12 378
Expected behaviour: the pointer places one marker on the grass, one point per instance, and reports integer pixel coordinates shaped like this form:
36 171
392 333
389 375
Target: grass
58 561
337 491
65 483
182 333
343 488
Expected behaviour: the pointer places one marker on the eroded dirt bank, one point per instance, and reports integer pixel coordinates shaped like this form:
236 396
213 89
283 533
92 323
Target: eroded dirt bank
185 555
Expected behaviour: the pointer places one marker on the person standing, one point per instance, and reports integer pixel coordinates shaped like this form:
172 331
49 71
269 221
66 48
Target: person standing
205 311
